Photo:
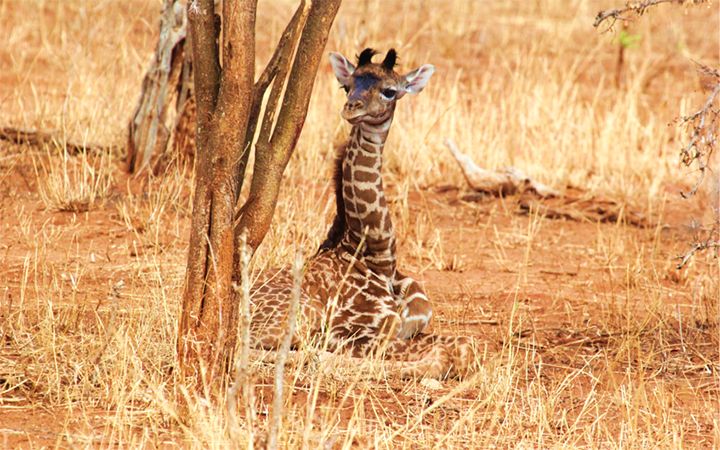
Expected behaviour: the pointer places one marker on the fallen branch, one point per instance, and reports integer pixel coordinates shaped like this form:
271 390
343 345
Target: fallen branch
578 206
573 204
37 138
509 181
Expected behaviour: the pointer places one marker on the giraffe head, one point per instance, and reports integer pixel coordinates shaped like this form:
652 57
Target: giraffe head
372 89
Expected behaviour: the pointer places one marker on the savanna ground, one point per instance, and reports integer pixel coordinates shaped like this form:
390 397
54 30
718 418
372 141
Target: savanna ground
589 335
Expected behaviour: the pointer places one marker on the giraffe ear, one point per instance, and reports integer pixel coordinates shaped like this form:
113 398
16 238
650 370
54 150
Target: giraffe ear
342 67
416 80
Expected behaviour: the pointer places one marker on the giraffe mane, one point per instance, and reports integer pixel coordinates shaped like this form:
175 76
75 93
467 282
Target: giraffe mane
338 227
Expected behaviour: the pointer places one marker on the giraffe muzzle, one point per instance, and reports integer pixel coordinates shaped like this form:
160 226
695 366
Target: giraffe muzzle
353 111
357 114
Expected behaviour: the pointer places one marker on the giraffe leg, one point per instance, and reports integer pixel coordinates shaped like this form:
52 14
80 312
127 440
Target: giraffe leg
270 304
415 308
432 356
267 328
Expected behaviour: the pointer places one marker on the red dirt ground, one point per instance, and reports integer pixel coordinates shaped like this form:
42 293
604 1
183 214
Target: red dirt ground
565 293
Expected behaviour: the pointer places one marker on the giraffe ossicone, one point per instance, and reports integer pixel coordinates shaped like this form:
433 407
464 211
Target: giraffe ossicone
352 288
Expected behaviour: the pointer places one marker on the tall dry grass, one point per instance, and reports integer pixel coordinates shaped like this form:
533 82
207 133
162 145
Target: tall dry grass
88 332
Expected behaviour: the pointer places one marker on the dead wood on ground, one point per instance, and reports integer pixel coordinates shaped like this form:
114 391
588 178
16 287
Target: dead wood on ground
38 138
572 204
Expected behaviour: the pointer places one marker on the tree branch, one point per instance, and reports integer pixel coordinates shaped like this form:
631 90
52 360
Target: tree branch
287 48
703 138
288 38
256 214
279 62
636 7
703 124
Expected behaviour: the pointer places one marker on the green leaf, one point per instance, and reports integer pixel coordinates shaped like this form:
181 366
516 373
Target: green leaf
628 40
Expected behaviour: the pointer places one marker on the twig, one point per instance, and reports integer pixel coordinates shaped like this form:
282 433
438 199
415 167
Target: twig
637 7
277 409
241 377
697 247
468 322
570 273
704 124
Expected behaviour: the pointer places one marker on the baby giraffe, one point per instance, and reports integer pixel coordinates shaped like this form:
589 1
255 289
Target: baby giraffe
352 292
373 219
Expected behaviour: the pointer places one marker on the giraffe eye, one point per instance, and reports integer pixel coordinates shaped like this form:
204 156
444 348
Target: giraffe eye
346 88
388 93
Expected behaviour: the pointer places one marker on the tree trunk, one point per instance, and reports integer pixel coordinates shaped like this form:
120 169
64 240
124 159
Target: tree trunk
158 131
209 313
228 110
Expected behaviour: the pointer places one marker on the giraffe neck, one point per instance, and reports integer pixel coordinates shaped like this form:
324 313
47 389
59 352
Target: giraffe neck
366 213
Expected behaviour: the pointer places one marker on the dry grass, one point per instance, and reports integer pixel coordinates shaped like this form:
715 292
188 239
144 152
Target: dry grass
590 337
73 184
